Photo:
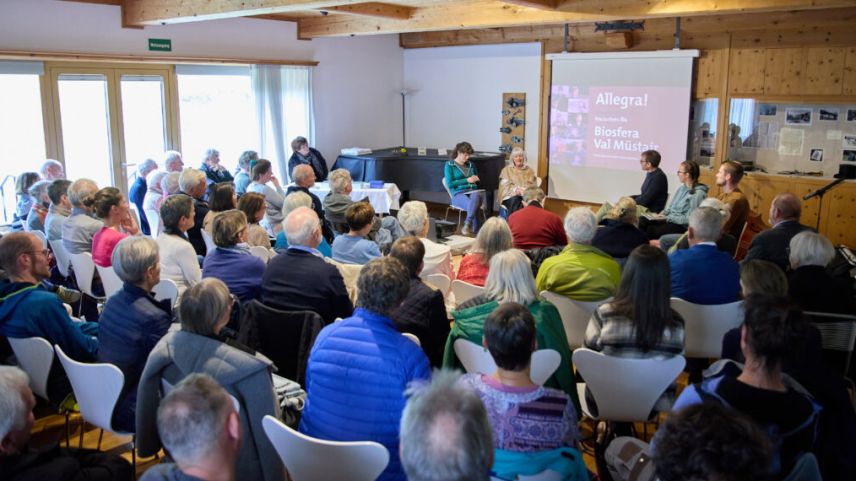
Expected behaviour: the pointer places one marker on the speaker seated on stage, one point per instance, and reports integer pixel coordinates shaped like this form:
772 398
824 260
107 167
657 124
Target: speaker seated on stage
462 180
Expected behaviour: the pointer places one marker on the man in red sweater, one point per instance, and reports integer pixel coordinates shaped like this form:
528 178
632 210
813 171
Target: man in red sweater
533 226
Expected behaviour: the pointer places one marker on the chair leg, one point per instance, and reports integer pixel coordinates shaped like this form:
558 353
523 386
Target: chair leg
446 218
67 430
100 436
82 428
134 455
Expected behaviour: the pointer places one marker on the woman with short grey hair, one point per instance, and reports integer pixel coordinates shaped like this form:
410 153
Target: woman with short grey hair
413 217
41 204
178 258
232 262
170 184
494 237
202 346
340 180
293 201
510 280
132 321
809 284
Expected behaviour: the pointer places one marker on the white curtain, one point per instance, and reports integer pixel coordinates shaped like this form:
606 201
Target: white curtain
283 100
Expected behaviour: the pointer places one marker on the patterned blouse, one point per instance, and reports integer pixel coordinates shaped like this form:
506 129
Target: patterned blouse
615 335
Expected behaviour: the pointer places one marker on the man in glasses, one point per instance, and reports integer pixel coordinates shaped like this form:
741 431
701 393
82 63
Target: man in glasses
655 187
27 309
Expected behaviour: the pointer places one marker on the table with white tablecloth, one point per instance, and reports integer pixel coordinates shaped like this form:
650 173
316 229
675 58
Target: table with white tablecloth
382 199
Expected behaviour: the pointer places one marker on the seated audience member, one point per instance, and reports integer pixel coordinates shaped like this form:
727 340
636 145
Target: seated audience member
514 179
354 247
619 232
27 309
510 280
172 161
304 178
533 226
253 206
727 243
132 321
221 197
810 285
299 279
201 347
59 210
462 181
20 462
111 206
423 312
152 201
703 274
138 190
727 178
214 172
192 183
639 322
24 201
170 184
366 346
523 415
41 203
413 217
580 271
655 187
493 238
293 201
81 225
445 433
231 261
51 170
306 155
772 244
246 162
201 429
383 232
274 196
675 218
178 259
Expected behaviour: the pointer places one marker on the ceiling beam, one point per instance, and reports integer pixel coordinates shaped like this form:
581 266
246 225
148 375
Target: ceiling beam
542 4
162 12
492 14
375 9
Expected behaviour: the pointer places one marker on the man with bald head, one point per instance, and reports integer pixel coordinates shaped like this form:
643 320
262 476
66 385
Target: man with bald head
52 170
299 279
172 161
304 178
772 245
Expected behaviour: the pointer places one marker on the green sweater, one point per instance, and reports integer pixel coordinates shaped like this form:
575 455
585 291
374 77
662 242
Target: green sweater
456 177
469 324
579 272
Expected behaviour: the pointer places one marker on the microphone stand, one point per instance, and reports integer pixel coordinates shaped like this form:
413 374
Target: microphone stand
819 194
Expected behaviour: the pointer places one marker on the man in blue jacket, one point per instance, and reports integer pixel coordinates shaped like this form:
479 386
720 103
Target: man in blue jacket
360 367
27 309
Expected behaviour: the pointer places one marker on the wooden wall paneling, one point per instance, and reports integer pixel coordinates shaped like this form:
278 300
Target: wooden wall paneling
749 187
849 77
823 34
708 178
840 225
824 69
709 73
784 71
746 71
809 207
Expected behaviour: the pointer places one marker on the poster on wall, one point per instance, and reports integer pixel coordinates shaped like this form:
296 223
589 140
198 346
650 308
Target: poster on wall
816 155
827 114
798 116
851 115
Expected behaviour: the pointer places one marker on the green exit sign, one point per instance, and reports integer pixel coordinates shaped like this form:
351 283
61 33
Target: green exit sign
160 45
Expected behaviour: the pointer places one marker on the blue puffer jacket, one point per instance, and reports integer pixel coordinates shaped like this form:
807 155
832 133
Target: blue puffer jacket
355 381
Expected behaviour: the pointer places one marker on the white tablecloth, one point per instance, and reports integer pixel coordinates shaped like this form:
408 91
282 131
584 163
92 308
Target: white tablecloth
381 199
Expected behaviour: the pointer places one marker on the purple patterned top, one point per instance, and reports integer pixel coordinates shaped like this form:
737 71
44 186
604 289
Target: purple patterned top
528 418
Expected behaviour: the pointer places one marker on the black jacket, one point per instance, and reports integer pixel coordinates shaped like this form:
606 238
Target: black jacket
655 191
772 244
194 234
315 160
618 238
423 313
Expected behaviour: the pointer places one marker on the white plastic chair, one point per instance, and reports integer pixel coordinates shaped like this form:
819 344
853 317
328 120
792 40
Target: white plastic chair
440 281
465 291
96 388
837 332
35 356
310 459
63 259
155 226
412 337
625 389
110 280
705 326
262 253
166 289
84 270
575 315
477 359
209 241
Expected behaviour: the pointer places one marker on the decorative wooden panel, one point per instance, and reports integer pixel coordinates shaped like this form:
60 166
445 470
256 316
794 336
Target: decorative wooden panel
824 69
809 207
784 71
746 75
841 221
849 78
709 73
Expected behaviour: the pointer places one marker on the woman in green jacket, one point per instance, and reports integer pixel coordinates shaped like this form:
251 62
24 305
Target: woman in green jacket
510 280
462 181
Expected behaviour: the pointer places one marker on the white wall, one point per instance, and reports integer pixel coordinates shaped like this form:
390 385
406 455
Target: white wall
356 83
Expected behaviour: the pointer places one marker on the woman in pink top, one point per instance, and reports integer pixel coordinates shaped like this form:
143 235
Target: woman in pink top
111 206
493 238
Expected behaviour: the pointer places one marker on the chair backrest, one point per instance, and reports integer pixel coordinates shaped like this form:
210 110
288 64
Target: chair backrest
477 359
754 225
446 186
35 356
209 241
153 217
465 291
310 459
575 315
166 289
110 280
63 260
626 389
96 387
412 337
262 253
84 270
837 333
440 281
706 325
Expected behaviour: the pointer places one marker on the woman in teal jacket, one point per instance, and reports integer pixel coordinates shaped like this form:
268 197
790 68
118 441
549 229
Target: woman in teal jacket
676 217
462 179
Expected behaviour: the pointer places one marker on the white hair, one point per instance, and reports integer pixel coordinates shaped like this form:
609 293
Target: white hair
146 166
300 173
210 153
723 208
294 200
81 191
510 278
46 166
300 226
154 182
810 249
169 157
133 256
339 180
706 223
580 225
13 383
190 179
169 183
39 190
412 217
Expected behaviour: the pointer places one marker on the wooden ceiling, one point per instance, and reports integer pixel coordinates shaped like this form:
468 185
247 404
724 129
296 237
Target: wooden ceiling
330 18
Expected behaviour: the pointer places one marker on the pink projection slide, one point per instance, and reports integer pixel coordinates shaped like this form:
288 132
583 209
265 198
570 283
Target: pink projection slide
608 127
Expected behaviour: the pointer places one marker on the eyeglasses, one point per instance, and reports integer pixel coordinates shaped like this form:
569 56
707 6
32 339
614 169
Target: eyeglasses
44 252
681 172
